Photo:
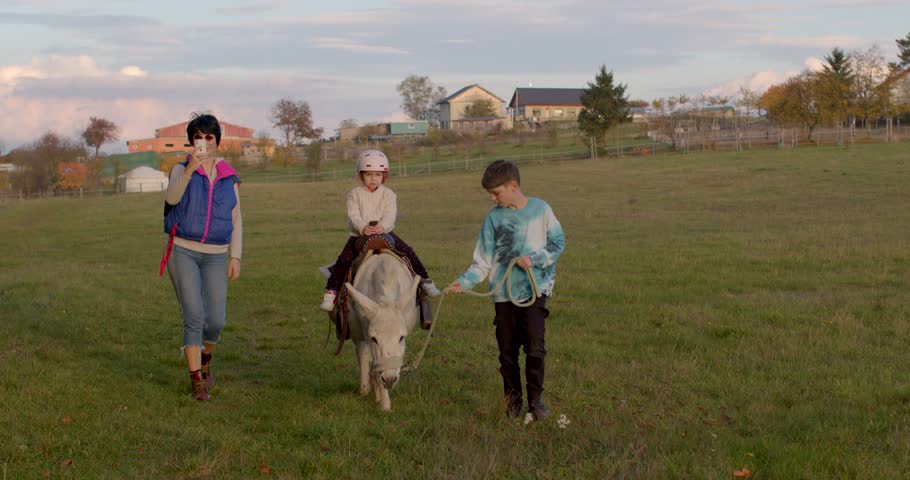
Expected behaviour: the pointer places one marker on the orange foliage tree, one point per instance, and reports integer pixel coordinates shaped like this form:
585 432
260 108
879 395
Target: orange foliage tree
71 175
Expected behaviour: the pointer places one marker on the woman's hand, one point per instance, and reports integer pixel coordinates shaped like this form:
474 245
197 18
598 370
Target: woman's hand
234 269
196 160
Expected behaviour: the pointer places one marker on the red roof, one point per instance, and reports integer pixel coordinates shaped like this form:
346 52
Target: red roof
227 130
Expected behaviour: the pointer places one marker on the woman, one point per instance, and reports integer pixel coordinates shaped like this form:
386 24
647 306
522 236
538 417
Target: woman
202 216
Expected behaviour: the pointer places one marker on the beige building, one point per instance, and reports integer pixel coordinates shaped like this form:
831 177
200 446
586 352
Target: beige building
538 105
452 108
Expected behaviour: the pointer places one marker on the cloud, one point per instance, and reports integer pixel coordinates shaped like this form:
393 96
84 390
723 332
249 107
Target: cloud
378 17
54 66
396 116
350 45
74 21
133 71
758 82
820 41
251 8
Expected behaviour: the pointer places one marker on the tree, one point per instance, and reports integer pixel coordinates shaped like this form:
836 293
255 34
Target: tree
603 105
37 163
348 123
419 97
748 100
71 175
99 132
869 72
793 103
835 91
480 109
313 158
903 54
294 119
658 104
266 148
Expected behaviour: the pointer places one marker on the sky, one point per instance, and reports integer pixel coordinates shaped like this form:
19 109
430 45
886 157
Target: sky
146 65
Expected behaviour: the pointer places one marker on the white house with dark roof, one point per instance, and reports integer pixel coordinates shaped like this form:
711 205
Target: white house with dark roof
546 104
452 108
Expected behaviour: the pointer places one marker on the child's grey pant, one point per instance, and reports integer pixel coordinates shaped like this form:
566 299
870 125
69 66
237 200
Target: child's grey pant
200 280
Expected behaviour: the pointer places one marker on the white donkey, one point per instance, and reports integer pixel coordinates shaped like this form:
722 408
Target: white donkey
384 314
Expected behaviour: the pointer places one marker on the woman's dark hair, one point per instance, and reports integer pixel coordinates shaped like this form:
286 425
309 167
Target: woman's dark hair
499 173
203 123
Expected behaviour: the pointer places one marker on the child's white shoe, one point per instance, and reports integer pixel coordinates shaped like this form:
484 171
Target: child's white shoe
429 287
328 301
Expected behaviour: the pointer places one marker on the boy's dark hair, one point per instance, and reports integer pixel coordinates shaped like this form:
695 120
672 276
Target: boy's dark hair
499 173
203 123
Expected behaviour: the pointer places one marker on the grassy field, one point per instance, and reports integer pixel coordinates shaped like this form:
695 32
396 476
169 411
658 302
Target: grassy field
712 313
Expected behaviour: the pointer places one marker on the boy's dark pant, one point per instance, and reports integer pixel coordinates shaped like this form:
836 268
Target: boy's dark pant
521 327
348 254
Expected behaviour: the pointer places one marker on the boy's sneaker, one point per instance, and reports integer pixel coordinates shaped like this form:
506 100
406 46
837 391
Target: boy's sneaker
328 301
538 410
430 288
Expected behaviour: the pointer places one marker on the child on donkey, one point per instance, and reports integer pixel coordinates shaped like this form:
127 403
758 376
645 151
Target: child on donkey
372 210
524 228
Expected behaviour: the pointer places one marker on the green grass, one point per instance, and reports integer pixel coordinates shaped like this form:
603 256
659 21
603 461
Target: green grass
712 312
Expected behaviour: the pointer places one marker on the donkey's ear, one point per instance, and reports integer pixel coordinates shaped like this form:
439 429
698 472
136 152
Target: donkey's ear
409 298
369 306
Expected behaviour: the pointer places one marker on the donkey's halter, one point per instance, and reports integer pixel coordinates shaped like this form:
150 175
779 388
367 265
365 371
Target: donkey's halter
388 363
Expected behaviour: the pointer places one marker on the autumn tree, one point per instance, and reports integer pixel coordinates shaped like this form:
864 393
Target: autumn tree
294 119
38 162
480 109
793 103
419 97
313 158
835 90
99 132
71 175
604 105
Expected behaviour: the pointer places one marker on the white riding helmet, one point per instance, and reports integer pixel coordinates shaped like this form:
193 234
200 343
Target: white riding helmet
372 161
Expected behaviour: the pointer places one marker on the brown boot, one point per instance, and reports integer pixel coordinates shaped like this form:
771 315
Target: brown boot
200 392
206 371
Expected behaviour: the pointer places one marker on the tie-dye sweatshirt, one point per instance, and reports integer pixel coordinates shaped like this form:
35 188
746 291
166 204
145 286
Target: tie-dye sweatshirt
506 234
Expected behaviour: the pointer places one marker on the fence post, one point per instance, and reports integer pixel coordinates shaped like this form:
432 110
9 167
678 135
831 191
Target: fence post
80 193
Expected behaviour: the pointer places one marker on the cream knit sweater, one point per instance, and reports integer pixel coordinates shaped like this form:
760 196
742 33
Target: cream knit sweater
365 206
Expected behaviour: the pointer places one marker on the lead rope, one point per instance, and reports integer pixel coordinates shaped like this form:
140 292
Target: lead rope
507 278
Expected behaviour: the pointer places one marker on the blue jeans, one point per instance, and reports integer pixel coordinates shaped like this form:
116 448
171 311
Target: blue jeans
200 281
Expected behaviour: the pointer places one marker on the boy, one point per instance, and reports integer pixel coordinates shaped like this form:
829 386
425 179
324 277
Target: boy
524 228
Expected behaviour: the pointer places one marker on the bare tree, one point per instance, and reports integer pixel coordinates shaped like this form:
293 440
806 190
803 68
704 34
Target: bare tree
419 97
348 123
99 132
294 119
869 71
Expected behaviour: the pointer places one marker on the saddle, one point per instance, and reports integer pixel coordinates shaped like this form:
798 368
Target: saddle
367 246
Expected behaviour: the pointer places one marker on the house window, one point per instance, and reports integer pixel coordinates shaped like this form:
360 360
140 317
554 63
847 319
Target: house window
412 126
557 113
168 144
187 145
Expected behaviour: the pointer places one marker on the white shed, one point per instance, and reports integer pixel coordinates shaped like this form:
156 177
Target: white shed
142 179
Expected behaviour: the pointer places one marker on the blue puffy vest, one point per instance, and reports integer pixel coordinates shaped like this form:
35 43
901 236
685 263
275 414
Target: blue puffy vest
204 212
